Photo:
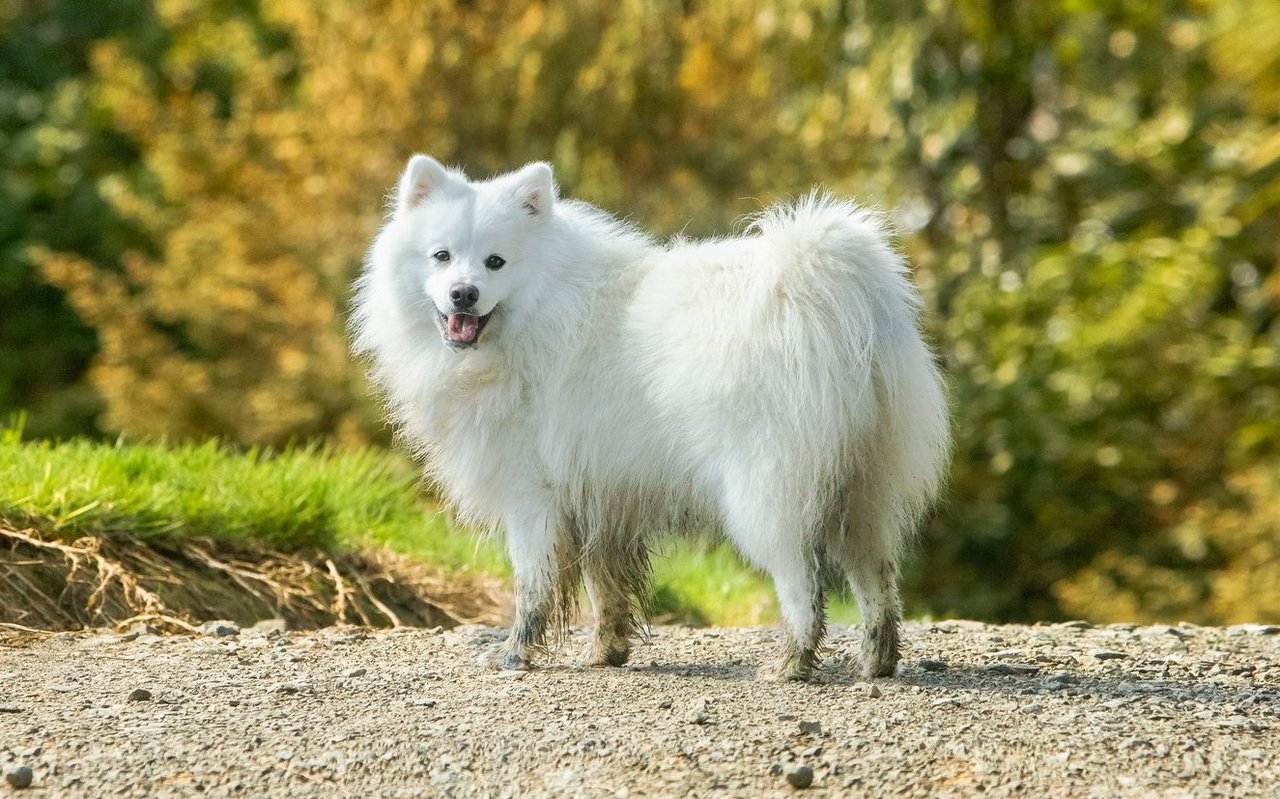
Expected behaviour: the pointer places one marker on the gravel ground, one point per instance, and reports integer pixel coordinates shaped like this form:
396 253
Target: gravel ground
1063 710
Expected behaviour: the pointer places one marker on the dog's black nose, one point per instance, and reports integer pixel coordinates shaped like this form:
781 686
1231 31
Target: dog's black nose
464 295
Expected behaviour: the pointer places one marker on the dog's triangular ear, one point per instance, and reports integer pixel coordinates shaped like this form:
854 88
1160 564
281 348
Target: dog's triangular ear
535 189
423 177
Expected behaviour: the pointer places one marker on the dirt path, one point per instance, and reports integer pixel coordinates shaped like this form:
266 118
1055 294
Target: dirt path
1028 711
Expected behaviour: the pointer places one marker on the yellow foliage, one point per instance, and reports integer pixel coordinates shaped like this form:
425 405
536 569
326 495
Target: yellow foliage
261 198
1238 537
1247 533
1088 200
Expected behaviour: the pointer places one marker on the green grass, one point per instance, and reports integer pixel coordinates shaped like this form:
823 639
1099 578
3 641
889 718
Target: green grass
709 584
310 497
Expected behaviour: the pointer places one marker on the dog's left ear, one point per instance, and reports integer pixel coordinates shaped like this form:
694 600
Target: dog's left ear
535 189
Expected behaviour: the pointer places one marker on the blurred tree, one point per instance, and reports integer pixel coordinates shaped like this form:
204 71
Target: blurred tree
228 326
264 129
52 149
1101 249
1088 189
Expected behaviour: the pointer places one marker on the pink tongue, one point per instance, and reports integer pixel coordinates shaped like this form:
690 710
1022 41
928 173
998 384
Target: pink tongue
463 327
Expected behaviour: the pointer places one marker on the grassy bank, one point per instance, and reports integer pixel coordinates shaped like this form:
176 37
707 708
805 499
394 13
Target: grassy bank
302 498
312 499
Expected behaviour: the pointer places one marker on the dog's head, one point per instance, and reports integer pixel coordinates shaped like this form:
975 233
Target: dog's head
464 245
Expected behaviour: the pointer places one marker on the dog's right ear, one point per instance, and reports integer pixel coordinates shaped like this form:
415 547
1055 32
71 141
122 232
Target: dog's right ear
423 177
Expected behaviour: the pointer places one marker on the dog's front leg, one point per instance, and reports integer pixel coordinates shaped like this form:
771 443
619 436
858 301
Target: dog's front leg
531 545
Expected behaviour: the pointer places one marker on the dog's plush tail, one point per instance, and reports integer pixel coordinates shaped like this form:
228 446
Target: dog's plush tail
826 232
835 263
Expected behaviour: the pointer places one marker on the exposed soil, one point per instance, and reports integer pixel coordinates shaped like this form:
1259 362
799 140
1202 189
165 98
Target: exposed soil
1000 710
115 580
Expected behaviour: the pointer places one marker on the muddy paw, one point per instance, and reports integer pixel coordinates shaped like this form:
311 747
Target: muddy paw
882 667
603 655
880 650
791 667
500 658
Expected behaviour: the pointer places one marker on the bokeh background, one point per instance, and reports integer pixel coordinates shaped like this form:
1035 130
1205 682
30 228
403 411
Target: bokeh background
1089 191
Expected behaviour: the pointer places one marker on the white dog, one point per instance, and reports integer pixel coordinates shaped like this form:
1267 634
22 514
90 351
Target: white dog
572 382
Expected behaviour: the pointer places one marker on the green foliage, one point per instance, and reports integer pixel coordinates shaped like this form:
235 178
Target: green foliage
1088 189
1109 301
53 148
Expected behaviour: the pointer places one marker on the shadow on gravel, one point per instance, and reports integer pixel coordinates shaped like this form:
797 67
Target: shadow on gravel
739 672
1124 688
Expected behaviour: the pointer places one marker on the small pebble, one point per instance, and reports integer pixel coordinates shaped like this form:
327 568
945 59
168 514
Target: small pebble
18 776
357 672
700 712
1103 654
800 776
139 695
1010 668
810 728
933 665
1253 629
219 629
874 692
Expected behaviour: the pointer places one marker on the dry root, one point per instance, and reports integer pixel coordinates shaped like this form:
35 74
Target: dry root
119 580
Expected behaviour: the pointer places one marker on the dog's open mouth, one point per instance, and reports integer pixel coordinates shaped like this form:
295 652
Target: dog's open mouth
461 330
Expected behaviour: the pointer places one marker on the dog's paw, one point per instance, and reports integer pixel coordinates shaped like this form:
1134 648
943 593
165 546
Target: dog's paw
880 651
880 667
604 655
500 658
790 667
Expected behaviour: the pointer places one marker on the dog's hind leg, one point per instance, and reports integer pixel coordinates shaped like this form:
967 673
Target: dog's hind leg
871 566
875 584
778 542
535 543
795 580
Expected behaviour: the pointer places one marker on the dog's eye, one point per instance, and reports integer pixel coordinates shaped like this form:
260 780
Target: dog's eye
442 256
495 262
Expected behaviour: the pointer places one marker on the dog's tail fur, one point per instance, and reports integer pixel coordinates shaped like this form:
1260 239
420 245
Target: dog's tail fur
837 260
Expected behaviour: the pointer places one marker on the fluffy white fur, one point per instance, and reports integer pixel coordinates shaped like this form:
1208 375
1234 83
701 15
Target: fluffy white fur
773 387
